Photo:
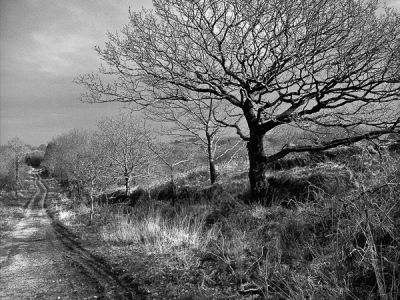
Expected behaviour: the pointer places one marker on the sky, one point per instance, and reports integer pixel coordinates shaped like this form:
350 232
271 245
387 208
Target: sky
44 45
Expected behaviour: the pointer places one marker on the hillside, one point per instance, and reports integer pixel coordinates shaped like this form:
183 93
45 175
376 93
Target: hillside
332 231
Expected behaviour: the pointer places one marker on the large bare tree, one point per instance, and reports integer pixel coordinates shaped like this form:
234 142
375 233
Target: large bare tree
332 63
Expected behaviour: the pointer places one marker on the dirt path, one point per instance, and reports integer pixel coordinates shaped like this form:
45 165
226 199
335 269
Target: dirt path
41 259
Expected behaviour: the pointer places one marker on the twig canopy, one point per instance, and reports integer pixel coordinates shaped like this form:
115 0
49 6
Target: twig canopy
332 63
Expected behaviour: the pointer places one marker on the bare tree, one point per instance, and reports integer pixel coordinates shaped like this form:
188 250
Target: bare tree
171 158
18 149
195 120
88 170
124 144
331 63
7 168
76 159
61 155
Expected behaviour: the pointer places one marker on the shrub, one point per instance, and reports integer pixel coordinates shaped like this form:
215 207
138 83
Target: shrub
307 184
34 158
157 230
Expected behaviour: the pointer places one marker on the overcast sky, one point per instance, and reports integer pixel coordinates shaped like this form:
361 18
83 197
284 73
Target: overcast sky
44 44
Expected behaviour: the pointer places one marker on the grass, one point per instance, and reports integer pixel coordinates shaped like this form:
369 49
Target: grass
156 232
10 212
342 241
12 207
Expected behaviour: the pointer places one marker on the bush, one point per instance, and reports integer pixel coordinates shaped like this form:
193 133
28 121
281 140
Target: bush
156 229
308 184
7 172
34 158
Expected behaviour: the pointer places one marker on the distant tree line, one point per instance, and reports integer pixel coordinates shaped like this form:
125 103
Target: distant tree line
34 158
12 156
121 152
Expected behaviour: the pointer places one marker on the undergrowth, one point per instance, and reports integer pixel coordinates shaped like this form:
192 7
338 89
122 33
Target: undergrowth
328 245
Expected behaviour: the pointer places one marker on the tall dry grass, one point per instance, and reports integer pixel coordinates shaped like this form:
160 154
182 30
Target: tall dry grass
158 229
333 246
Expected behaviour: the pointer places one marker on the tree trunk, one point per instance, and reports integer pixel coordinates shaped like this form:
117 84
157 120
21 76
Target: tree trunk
257 160
126 184
16 176
91 208
173 186
213 172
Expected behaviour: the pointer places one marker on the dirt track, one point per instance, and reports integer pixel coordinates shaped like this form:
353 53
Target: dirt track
41 259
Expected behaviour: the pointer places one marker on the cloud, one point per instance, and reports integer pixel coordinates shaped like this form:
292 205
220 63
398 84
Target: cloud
54 53
394 3
44 44
57 37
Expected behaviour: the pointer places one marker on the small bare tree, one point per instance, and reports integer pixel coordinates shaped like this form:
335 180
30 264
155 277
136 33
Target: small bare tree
7 168
195 121
18 149
77 159
124 143
168 156
88 170
61 156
